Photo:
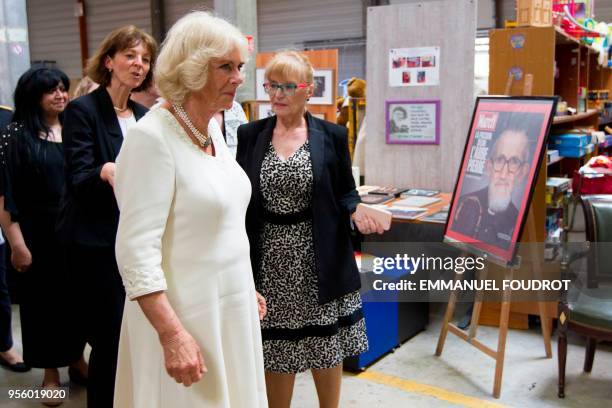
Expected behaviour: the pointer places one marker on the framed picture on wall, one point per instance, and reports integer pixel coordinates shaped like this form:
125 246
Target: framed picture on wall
264 110
323 87
412 122
498 172
260 92
319 115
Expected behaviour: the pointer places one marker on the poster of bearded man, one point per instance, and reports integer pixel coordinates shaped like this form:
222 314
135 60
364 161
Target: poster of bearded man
500 164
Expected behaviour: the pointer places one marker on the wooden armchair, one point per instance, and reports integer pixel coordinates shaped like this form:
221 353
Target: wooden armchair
588 310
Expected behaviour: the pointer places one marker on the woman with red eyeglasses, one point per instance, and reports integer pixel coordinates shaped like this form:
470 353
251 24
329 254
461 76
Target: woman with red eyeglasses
298 222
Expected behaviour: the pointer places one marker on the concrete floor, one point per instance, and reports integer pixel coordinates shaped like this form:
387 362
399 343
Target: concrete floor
413 377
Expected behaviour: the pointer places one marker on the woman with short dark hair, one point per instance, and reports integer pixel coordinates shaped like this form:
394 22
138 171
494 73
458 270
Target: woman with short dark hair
31 182
94 129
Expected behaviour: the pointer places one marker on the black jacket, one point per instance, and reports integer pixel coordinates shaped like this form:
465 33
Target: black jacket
92 137
334 198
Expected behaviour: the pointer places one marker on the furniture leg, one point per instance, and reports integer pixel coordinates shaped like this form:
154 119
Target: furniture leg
501 343
501 347
475 315
477 307
562 354
545 322
589 354
450 310
536 258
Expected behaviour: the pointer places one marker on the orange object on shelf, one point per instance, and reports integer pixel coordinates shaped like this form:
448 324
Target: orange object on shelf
535 13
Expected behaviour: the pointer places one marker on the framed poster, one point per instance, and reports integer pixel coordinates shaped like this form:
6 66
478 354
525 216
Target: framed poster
412 122
323 87
318 115
264 110
499 169
260 92
414 66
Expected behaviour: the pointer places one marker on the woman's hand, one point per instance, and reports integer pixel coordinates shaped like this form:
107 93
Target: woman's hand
261 305
108 173
366 224
183 358
21 258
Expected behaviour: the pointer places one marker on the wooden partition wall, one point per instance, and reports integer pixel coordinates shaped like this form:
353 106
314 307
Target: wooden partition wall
450 25
320 59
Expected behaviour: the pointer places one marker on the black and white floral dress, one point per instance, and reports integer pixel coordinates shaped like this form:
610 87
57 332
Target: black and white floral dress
298 333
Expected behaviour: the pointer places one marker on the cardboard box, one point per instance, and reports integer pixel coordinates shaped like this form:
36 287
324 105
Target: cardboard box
535 13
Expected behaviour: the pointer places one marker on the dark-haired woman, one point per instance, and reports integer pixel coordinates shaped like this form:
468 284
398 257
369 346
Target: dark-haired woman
94 128
31 183
9 357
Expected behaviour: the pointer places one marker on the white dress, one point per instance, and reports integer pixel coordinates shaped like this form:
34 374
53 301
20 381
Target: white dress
182 230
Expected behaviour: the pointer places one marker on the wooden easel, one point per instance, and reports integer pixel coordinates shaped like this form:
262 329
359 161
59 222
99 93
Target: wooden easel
470 335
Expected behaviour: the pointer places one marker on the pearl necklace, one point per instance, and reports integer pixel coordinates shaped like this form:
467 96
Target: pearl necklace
204 140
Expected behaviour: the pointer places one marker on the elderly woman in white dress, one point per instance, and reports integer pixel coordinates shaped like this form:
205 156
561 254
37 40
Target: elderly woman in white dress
182 247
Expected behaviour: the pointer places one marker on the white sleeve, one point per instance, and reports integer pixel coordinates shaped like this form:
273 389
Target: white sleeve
240 115
144 187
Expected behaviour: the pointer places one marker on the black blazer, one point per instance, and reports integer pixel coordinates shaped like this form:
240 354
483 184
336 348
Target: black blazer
334 198
92 137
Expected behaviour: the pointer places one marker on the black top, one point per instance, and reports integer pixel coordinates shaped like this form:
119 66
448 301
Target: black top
5 116
334 199
475 220
92 137
31 178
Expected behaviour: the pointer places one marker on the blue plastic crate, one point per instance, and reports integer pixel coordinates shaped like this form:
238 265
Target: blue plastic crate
570 140
575 151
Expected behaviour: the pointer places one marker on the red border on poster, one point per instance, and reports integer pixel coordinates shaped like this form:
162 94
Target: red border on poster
544 106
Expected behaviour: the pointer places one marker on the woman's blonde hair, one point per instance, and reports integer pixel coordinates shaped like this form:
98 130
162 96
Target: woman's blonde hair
288 65
121 39
183 63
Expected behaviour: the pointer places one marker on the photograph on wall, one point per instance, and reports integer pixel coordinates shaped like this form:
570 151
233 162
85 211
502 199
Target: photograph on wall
414 62
406 77
412 122
322 81
319 86
414 66
499 168
421 77
264 110
260 78
318 115
323 87
428 61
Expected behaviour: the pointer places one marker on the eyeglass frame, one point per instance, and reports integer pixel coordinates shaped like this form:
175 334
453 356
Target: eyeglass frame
507 162
272 89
